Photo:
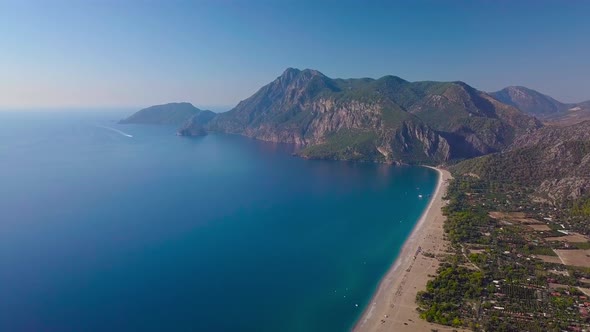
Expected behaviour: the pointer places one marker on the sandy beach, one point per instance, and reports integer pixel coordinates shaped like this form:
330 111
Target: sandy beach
393 306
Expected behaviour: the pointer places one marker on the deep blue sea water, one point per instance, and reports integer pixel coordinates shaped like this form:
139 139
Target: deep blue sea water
104 232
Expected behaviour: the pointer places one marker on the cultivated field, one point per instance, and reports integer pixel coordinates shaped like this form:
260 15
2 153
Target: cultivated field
577 257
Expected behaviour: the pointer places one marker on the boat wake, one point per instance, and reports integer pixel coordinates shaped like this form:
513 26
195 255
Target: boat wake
116 130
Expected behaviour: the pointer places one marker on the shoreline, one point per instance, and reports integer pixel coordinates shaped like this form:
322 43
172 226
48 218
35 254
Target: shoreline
392 306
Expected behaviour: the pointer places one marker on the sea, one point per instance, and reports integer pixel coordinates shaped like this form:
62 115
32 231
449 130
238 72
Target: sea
109 227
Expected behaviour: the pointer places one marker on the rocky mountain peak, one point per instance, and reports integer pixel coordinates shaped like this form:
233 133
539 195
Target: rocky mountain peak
289 74
529 101
297 85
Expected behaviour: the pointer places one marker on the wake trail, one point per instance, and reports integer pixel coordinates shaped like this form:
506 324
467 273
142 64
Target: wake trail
115 130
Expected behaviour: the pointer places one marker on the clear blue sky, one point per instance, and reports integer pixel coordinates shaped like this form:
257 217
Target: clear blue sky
137 53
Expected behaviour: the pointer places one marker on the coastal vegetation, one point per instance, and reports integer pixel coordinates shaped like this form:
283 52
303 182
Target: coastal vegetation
513 265
355 145
581 207
447 292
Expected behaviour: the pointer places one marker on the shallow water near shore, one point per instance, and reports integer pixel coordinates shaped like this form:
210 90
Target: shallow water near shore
107 227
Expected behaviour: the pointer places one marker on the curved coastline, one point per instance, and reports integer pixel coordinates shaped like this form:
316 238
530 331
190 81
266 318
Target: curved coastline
392 307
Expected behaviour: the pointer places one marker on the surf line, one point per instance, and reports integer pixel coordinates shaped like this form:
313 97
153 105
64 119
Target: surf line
115 130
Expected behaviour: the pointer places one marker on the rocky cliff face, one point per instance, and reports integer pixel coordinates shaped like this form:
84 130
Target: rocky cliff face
555 161
388 119
563 160
416 140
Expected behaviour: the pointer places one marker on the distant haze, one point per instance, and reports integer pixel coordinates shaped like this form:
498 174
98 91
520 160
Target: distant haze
139 53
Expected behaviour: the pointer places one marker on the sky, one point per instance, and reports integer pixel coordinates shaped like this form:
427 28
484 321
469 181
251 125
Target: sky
215 53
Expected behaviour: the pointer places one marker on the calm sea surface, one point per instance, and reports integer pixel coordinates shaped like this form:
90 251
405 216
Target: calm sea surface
100 231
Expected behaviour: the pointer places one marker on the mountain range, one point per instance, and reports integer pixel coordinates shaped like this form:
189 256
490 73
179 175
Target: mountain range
515 134
385 120
543 106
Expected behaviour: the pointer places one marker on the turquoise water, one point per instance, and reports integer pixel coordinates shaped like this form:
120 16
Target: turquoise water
104 232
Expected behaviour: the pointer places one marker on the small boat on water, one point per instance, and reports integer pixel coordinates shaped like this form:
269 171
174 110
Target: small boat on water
419 196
